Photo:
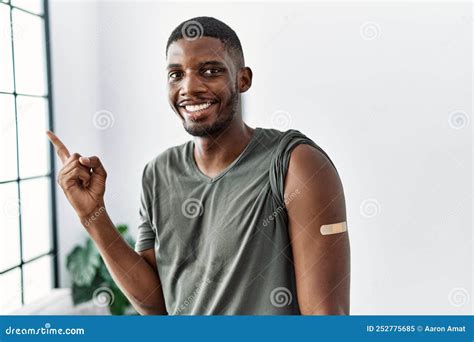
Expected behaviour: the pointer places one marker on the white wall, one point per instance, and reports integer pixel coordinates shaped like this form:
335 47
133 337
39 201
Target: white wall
379 107
76 97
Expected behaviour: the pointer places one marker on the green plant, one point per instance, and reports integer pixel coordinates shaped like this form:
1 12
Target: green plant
91 279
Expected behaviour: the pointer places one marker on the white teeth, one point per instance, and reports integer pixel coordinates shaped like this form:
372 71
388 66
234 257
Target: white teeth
195 108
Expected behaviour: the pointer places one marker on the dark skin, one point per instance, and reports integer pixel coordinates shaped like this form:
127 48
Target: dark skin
322 262
204 72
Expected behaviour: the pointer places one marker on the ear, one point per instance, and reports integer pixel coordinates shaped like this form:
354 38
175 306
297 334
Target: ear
245 79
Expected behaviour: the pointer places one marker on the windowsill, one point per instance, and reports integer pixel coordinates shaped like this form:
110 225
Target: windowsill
59 302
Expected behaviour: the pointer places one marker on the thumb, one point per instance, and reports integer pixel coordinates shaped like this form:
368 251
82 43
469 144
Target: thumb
94 163
84 161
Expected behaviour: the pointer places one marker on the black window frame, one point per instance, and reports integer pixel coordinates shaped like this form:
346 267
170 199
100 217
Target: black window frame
53 252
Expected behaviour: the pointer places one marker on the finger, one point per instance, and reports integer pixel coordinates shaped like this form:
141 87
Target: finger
95 164
73 158
61 150
71 166
76 174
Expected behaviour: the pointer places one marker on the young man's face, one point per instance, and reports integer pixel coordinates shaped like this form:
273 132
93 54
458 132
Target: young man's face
203 85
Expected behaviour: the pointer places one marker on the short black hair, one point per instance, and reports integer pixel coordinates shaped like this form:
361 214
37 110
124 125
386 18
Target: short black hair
198 27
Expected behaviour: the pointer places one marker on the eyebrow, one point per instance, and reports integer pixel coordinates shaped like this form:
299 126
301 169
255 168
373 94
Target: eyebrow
200 65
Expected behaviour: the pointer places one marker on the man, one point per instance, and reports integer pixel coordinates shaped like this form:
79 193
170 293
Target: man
238 220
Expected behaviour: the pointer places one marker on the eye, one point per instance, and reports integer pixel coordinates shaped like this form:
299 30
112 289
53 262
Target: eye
211 71
174 75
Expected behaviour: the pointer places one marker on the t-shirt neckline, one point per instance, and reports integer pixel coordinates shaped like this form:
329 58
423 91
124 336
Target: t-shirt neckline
208 179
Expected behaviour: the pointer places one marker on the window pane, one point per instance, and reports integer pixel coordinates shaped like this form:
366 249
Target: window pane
37 278
33 143
6 65
9 226
8 170
10 284
35 217
34 6
30 71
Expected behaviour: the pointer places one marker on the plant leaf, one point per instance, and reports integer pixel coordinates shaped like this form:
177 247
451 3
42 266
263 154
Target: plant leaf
129 240
120 303
83 263
105 274
122 228
82 294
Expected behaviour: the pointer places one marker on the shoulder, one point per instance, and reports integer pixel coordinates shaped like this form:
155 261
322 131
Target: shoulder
314 179
311 168
269 137
169 158
307 158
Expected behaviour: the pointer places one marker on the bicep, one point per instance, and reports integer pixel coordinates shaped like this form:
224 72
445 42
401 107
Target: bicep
150 257
322 262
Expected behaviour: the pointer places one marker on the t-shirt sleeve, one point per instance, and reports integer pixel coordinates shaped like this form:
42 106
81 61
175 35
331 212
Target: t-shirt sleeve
281 159
146 233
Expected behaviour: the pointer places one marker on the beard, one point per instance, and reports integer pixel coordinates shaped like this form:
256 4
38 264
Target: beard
223 121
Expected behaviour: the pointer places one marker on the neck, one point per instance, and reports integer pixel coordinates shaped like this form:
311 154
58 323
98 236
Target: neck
214 154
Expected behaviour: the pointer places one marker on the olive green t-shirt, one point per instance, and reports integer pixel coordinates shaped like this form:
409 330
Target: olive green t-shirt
222 245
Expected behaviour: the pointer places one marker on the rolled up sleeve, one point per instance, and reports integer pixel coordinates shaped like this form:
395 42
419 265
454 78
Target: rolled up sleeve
146 233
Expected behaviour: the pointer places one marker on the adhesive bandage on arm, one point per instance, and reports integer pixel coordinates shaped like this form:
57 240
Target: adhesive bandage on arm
334 228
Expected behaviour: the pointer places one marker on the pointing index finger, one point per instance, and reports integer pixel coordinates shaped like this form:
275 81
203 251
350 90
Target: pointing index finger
61 150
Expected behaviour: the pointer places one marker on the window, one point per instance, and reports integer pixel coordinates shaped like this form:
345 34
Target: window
28 265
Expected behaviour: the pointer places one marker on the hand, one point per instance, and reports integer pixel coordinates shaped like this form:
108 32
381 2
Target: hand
82 179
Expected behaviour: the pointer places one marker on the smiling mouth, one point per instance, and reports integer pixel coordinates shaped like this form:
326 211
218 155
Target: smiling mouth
198 111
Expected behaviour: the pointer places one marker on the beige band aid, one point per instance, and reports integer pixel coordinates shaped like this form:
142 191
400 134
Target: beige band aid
334 228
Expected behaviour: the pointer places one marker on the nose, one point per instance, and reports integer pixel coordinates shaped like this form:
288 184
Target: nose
192 85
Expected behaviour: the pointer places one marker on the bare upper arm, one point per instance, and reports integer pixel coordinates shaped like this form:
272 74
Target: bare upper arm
150 257
322 262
